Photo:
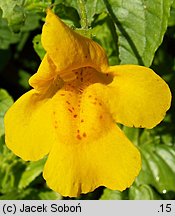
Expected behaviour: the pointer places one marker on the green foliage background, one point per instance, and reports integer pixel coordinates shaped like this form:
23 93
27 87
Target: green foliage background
137 32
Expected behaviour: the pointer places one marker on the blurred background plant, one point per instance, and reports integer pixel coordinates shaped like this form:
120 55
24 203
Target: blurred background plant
136 32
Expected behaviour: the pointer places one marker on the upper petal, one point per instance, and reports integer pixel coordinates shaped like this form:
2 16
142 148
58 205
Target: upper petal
69 50
140 98
28 126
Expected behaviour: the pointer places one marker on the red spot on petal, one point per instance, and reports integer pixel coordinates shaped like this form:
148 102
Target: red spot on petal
56 124
84 135
75 116
62 94
69 110
82 120
100 104
79 137
68 102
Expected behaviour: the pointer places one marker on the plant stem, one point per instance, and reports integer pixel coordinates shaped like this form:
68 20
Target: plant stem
83 14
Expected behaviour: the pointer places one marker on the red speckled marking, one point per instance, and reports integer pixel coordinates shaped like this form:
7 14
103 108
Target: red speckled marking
84 134
69 110
56 124
79 137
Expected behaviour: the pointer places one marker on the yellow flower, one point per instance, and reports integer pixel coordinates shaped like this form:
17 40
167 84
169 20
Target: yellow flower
72 110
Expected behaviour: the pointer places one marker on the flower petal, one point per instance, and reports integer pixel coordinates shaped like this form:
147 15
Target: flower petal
45 80
44 76
137 97
111 160
90 150
69 50
76 111
28 126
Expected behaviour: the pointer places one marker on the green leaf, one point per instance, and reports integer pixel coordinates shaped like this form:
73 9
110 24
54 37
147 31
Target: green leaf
114 195
10 174
7 36
49 195
143 192
171 21
158 160
67 13
37 5
11 168
13 195
31 22
23 13
102 27
18 17
24 78
92 7
140 26
5 102
133 134
38 46
13 11
158 166
31 194
33 170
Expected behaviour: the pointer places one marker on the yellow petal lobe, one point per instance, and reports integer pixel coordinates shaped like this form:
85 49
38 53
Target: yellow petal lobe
111 160
46 73
28 126
137 96
68 49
